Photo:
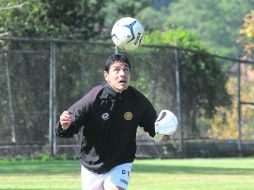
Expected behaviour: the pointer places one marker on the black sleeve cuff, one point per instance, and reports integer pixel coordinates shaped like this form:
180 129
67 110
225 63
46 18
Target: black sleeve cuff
65 133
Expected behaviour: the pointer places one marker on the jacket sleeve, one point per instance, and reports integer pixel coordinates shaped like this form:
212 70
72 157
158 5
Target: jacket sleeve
80 114
68 133
148 119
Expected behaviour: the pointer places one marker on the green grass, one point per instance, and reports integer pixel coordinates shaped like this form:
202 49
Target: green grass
191 174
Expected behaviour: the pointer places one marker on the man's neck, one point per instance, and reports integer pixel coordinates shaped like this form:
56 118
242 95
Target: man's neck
117 91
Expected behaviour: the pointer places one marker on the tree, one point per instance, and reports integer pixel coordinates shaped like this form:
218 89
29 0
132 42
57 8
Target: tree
216 22
247 36
201 93
92 19
53 18
84 19
224 122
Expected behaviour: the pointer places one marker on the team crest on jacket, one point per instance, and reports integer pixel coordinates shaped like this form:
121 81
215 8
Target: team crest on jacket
128 116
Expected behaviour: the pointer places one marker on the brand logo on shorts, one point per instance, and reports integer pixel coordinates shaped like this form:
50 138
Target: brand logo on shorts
128 116
123 181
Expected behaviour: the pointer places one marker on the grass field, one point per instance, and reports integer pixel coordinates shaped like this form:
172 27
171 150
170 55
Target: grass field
191 174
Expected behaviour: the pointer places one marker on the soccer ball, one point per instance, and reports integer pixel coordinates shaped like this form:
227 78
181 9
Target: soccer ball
127 33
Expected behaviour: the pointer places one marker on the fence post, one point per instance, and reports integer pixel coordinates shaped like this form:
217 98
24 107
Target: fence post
52 99
153 92
116 50
12 113
178 103
239 142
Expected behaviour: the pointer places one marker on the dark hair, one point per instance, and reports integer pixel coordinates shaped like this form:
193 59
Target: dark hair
116 57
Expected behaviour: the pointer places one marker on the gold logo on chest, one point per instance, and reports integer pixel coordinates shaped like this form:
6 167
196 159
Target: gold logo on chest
128 116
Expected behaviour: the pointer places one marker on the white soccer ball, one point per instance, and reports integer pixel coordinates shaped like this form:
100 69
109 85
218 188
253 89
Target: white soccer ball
127 33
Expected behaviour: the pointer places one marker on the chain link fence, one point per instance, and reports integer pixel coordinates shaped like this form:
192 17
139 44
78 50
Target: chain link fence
40 78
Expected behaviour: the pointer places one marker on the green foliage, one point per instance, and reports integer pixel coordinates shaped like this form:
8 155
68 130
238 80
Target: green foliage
175 37
224 124
200 91
247 36
60 19
52 18
83 19
46 157
28 18
216 23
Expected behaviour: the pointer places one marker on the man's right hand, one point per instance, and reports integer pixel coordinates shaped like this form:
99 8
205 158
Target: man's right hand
65 120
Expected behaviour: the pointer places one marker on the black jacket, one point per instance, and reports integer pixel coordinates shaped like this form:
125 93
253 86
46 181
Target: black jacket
108 123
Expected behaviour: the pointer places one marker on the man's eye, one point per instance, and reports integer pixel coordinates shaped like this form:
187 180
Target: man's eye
126 69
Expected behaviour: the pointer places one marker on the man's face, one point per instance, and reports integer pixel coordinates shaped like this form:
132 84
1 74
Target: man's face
118 76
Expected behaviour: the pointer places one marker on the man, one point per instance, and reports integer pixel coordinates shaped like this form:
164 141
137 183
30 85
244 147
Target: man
107 118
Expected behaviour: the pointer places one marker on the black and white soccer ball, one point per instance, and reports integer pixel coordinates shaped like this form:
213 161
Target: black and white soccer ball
127 33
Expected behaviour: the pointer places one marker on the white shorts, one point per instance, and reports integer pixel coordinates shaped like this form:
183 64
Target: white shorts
117 176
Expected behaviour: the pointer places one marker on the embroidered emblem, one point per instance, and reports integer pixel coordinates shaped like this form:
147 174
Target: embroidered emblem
105 116
128 116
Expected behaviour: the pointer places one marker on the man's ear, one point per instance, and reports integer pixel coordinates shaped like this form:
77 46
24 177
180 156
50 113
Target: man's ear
105 75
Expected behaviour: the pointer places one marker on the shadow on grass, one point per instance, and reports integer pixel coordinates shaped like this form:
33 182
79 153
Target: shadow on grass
67 167
39 167
142 168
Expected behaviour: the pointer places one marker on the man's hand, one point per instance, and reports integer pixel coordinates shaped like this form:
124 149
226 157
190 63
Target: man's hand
65 120
161 138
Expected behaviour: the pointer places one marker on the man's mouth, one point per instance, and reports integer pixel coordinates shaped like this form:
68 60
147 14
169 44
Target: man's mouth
122 81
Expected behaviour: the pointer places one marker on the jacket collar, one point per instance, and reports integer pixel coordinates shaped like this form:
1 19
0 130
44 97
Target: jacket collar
109 92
